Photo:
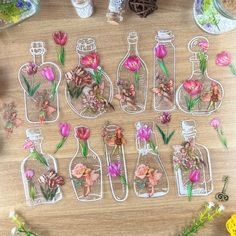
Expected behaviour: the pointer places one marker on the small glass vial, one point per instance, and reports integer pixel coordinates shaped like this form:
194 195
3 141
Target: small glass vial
39 172
40 81
13 12
191 156
150 177
116 164
199 95
84 8
215 16
115 11
95 87
164 74
132 79
86 169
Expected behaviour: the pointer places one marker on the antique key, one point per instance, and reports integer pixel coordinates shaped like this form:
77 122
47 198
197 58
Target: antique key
222 196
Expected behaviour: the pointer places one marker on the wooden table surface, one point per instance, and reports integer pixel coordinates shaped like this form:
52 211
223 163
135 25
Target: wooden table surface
162 216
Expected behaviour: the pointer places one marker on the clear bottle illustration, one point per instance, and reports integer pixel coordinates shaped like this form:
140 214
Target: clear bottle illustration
12 13
215 16
40 81
84 8
85 169
89 89
199 95
132 79
114 142
150 177
190 158
116 8
39 172
164 72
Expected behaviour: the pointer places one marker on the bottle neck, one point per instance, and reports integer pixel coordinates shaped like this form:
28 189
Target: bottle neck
37 146
189 137
133 48
196 69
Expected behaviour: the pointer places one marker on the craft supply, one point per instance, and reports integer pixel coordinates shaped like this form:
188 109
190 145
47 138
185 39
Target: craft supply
143 7
222 196
84 8
199 95
215 16
89 90
114 142
116 9
132 79
192 164
39 172
150 177
40 81
224 59
85 169
164 72
231 225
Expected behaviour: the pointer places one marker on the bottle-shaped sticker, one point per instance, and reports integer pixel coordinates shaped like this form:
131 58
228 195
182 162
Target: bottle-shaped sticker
40 81
39 172
89 90
132 79
192 164
86 169
150 178
164 72
199 95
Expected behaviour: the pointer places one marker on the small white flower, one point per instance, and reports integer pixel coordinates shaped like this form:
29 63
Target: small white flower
211 204
12 214
14 231
221 208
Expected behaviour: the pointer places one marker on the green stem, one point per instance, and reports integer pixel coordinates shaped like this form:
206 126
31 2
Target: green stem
232 69
61 55
59 145
222 138
84 148
39 157
54 85
137 77
163 67
153 146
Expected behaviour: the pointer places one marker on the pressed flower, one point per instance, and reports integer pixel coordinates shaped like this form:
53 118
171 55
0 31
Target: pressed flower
114 170
64 129
83 134
60 38
91 61
79 170
31 68
204 45
133 63
194 177
141 171
29 174
49 75
161 53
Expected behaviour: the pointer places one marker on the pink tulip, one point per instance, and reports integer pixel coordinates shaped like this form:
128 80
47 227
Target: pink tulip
28 144
194 176
204 45
132 63
64 129
193 87
215 123
161 51
48 73
60 38
91 61
114 169
165 118
29 174
144 133
83 133
223 59
31 68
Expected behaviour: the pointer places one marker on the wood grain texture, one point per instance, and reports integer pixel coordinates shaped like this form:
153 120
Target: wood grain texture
164 216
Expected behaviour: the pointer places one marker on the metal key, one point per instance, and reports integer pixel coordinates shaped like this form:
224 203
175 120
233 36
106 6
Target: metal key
222 196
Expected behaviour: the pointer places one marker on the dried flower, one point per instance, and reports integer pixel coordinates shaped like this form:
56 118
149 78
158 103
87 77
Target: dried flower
141 171
144 133
78 170
31 68
91 61
204 45
165 118
29 174
194 177
223 58
29 144
49 75
193 87
160 51
153 177
60 38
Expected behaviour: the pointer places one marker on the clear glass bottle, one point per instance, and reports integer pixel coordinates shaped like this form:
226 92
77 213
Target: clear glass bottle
215 16
116 164
132 79
84 8
190 156
36 167
85 170
150 178
164 72
199 95
96 96
13 12
40 92
115 11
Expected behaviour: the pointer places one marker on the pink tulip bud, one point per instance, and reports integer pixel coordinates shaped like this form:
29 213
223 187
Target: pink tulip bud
204 45
161 51
215 123
83 133
193 87
65 129
31 68
60 38
195 176
29 174
28 144
223 59
91 61
48 73
132 63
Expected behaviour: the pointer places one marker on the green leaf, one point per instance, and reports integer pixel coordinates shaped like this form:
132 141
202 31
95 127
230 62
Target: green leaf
123 180
170 136
36 87
52 193
70 91
137 78
189 190
84 149
27 85
61 55
39 157
78 182
162 65
44 193
232 69
54 86
59 145
32 191
79 91
161 133
153 146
